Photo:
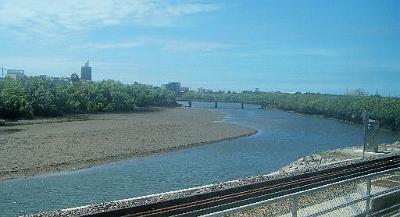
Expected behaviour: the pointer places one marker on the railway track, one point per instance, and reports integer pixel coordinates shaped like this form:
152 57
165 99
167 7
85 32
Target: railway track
228 198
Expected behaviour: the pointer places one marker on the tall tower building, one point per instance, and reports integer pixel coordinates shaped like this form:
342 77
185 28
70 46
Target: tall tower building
86 72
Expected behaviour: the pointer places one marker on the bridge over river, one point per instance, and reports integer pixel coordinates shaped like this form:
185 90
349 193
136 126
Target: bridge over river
215 102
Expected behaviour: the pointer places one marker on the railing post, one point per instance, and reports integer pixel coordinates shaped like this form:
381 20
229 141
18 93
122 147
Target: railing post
216 104
242 105
368 194
294 206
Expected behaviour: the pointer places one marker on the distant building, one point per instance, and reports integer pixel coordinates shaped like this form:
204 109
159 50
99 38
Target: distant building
204 90
2 71
15 73
65 79
55 79
86 72
184 90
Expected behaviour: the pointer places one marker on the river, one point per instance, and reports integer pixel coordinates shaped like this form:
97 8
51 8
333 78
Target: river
282 138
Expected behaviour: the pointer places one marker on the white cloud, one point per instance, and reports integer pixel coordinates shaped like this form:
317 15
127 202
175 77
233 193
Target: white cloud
109 45
204 46
51 17
184 9
291 52
308 52
169 45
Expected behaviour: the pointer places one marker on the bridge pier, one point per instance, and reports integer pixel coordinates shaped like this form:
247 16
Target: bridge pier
216 104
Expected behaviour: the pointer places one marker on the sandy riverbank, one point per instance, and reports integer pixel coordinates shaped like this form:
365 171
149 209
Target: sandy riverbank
43 146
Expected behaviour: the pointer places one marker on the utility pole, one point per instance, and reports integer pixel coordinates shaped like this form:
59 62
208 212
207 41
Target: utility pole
365 120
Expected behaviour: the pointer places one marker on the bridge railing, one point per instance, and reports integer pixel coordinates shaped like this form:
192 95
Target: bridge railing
366 189
216 102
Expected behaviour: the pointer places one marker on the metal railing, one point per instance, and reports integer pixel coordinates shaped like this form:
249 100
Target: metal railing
294 197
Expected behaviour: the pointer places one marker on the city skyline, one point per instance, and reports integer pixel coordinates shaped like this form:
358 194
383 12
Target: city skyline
287 46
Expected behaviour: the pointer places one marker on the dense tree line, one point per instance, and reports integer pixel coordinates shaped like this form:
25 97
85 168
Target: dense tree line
42 96
343 107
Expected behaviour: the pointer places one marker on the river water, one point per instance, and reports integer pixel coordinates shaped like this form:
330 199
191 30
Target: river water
282 138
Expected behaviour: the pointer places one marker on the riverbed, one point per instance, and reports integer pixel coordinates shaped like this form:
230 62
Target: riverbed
282 138
39 146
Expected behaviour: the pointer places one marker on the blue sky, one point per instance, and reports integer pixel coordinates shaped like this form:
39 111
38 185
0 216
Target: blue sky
317 46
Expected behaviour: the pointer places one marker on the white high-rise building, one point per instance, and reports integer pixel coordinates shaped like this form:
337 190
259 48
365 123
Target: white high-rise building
15 73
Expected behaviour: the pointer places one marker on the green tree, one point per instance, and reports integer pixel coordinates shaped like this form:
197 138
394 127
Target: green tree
74 77
42 96
13 102
41 93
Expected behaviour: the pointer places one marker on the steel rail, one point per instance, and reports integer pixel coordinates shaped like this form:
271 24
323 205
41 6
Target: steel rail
247 193
291 185
313 190
285 191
